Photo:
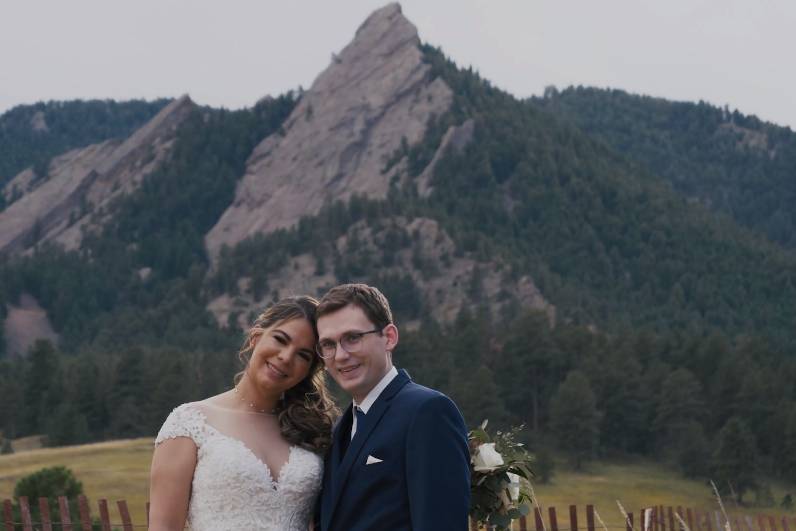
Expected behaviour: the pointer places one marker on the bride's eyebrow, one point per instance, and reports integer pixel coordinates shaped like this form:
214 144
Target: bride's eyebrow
287 336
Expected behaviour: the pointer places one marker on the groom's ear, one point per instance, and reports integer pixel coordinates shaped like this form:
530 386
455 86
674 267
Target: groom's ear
391 333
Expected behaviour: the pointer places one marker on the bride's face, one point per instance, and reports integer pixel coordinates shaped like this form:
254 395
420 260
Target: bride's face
283 356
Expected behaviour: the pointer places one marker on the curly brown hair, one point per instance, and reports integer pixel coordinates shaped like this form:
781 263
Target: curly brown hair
307 412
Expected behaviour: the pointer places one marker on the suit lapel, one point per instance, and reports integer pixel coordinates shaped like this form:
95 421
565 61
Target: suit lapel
340 431
372 419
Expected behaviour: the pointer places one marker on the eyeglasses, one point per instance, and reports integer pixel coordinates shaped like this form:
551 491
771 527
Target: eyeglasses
351 342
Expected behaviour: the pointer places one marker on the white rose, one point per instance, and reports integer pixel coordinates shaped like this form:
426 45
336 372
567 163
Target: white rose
486 458
514 486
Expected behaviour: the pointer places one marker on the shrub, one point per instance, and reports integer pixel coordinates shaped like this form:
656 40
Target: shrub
49 483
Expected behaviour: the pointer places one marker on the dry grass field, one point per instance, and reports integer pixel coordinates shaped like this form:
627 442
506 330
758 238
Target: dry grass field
119 469
638 484
114 470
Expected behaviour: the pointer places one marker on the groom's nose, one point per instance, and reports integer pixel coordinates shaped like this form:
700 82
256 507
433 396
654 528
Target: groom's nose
340 353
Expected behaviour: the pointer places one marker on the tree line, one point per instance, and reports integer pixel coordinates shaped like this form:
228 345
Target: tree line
712 405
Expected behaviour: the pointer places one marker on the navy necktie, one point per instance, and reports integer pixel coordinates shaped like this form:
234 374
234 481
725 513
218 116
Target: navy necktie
360 417
347 440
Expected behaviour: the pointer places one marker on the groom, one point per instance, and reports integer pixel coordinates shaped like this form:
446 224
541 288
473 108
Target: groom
399 457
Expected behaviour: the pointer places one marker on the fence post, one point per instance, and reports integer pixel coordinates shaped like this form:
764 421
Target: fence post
537 515
573 518
66 518
553 519
85 512
630 522
655 517
127 524
24 509
772 523
761 522
44 512
690 518
8 515
590 517
105 517
671 518
785 524
663 519
708 523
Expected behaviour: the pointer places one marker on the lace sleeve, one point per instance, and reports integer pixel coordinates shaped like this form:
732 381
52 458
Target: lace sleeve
185 421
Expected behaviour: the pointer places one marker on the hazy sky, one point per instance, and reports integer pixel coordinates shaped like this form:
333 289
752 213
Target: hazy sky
231 53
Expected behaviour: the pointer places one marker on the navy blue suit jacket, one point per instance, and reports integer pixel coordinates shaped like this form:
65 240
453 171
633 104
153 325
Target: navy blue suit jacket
423 480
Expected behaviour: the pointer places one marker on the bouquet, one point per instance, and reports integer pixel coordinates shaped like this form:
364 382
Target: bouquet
500 473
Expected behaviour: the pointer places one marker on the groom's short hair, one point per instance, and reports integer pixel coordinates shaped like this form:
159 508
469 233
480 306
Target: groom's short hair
367 298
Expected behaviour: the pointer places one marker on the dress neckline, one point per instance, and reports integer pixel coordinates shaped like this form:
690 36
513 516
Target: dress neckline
275 481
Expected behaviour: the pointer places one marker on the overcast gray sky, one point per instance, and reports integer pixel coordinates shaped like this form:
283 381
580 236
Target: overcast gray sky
734 52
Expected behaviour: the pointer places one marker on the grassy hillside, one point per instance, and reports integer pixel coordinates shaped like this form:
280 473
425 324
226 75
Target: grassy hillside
119 470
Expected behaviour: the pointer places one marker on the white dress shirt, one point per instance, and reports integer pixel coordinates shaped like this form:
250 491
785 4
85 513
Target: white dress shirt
372 396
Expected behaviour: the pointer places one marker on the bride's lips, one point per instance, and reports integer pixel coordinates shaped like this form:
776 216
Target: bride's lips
276 372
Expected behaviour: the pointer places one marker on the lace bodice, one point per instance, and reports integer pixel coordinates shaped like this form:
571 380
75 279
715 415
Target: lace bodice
233 488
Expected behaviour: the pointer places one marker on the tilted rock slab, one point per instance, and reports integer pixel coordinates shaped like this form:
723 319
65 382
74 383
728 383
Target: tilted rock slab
345 128
84 181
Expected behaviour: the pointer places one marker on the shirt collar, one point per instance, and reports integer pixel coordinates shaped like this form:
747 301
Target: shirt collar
376 391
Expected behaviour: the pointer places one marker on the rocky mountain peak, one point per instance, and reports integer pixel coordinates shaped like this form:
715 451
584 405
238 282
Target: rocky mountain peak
376 93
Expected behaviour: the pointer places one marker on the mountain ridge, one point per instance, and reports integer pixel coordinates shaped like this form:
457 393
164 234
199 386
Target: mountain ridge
502 199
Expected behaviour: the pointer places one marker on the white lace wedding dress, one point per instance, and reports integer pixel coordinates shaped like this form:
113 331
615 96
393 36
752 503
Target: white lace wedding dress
233 487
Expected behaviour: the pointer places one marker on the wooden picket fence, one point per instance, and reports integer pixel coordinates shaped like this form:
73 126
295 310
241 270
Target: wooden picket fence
65 522
657 518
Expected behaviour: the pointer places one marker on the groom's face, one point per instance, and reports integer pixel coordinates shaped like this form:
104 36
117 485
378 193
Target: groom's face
357 372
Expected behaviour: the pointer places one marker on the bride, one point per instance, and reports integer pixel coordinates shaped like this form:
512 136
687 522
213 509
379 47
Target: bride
251 457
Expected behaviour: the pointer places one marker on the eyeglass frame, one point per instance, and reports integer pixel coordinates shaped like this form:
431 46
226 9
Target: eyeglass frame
339 343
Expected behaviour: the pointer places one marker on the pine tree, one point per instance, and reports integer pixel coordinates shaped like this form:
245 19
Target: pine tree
42 385
693 456
734 462
476 393
7 448
788 451
66 426
679 404
574 418
528 368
